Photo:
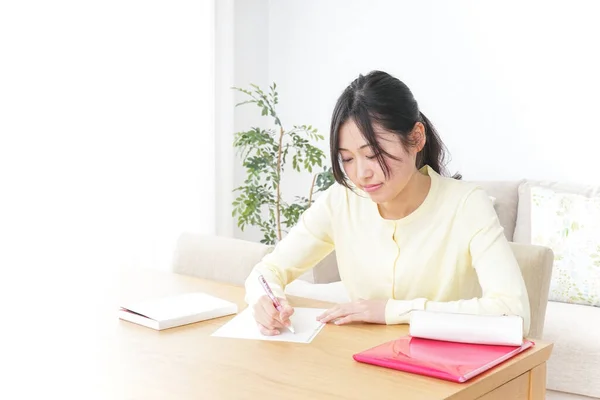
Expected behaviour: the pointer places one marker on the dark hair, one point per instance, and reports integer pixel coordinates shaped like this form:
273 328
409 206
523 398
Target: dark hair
379 97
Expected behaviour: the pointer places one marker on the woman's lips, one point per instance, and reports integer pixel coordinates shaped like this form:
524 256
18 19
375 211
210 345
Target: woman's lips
372 188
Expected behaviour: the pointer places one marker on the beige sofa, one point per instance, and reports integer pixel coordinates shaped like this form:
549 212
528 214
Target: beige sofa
230 260
574 367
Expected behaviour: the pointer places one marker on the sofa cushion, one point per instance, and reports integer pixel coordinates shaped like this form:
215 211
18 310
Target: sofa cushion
575 361
505 202
522 231
570 225
555 395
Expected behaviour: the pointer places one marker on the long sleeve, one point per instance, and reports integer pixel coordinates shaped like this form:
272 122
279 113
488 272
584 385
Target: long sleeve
499 275
302 248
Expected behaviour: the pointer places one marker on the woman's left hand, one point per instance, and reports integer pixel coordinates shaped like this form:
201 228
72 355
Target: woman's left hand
372 311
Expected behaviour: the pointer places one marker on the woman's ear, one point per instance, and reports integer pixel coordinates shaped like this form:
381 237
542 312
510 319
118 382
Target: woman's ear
418 136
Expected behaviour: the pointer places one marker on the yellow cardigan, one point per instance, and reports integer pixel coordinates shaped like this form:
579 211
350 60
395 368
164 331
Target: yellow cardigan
449 255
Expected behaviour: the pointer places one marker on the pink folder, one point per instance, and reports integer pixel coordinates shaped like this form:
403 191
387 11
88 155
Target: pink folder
451 361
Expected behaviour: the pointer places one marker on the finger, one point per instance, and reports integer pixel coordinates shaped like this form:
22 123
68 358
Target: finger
286 309
268 306
270 324
286 312
268 316
327 312
339 313
349 319
267 332
284 319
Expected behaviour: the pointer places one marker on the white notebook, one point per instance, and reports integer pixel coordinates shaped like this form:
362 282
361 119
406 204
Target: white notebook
169 312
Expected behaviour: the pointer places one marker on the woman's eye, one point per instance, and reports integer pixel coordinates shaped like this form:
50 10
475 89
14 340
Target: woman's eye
372 157
346 160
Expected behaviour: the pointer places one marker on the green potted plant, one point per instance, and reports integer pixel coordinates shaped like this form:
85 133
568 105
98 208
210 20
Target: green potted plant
265 154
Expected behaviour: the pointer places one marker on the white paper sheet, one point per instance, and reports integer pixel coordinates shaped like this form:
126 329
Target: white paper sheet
467 328
304 320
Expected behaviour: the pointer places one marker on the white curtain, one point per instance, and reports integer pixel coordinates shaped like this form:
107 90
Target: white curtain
107 131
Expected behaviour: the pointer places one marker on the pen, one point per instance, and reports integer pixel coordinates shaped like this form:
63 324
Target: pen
274 299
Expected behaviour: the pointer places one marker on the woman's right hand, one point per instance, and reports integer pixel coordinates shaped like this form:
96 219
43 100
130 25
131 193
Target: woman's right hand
269 320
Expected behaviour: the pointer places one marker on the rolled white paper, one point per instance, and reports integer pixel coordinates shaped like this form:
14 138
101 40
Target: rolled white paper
467 328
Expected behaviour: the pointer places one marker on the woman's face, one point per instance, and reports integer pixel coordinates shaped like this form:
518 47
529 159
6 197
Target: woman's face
363 169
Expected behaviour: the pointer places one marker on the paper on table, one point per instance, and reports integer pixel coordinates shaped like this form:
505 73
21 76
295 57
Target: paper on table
506 330
243 326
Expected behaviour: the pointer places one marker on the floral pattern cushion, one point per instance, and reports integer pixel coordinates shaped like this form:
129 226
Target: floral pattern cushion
570 225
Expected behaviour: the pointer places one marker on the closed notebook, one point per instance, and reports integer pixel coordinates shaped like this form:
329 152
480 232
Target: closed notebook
452 361
168 312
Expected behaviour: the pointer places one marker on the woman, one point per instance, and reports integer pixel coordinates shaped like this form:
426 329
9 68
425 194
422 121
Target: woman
406 237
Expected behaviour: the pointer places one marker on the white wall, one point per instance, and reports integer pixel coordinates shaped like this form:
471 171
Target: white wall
224 114
251 65
107 131
511 86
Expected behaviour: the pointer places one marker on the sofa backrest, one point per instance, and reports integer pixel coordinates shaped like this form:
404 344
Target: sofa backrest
217 258
506 203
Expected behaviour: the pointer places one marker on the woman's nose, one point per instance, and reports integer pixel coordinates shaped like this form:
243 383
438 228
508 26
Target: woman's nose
364 170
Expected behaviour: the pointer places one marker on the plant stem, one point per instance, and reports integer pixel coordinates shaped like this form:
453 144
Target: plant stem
278 198
311 189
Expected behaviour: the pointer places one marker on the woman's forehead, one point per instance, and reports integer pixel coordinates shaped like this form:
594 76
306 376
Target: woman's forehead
352 138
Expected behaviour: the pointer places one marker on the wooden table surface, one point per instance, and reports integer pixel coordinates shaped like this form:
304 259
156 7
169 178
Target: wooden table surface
135 362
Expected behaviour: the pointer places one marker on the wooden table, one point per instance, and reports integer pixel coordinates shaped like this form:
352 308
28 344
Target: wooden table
135 362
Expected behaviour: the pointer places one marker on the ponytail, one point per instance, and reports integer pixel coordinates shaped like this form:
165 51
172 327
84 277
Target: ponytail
434 152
